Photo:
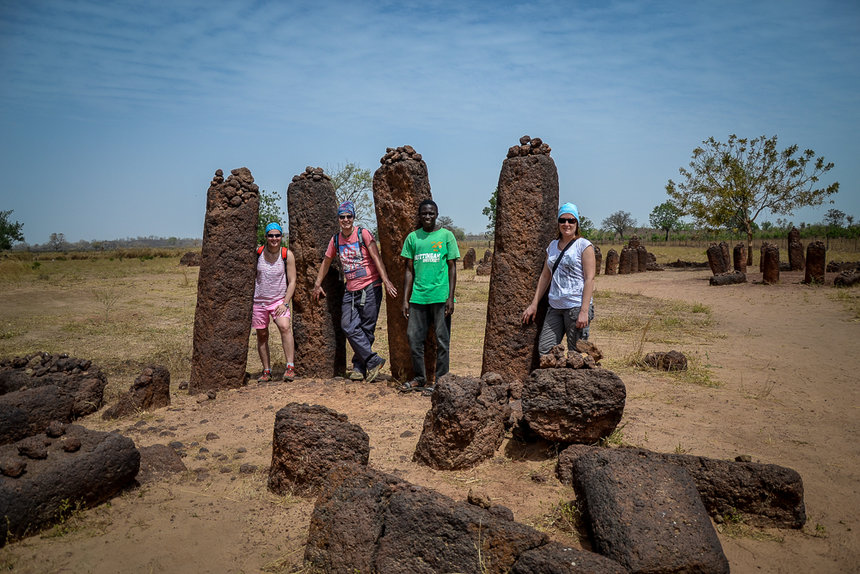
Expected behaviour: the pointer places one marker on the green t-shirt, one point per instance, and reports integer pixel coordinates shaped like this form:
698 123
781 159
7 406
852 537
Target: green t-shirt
430 253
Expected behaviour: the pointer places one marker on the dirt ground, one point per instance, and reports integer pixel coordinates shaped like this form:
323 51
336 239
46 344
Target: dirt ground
783 363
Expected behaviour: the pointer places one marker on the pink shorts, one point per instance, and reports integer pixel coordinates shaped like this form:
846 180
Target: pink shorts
261 315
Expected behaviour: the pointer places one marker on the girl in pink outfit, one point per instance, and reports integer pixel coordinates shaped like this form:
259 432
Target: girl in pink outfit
273 291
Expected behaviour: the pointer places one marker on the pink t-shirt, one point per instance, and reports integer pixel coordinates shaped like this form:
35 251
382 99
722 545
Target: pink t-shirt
358 267
271 284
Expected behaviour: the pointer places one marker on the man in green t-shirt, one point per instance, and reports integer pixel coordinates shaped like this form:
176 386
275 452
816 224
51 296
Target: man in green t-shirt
431 275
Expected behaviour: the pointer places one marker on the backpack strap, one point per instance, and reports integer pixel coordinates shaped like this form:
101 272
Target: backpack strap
336 238
284 252
560 255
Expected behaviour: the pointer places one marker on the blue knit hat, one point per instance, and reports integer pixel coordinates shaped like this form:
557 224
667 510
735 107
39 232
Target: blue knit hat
569 208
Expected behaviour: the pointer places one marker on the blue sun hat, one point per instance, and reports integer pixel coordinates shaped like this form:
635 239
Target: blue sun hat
274 225
569 208
346 208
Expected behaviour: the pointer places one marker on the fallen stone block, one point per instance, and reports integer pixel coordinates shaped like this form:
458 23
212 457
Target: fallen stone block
573 405
556 558
667 361
99 466
465 424
728 278
646 514
367 521
310 440
150 390
767 495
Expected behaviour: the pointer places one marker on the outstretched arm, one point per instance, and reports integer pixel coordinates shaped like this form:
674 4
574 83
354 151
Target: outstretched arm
589 265
452 284
407 287
318 290
377 260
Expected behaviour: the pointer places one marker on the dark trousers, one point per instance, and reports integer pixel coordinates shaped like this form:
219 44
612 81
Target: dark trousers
421 318
359 312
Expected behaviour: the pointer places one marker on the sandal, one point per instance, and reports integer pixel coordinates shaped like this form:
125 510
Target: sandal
266 376
428 391
409 386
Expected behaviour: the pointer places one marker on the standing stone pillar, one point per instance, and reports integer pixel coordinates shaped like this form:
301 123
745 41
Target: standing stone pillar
740 257
320 341
469 259
625 263
764 246
225 290
526 222
598 259
816 254
716 259
795 250
399 185
727 255
612 262
770 264
642 258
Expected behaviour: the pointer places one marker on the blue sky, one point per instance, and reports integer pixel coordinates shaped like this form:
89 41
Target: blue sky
114 116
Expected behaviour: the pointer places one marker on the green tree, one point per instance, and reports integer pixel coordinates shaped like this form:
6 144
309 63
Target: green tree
744 177
619 221
351 183
448 223
665 216
9 232
270 211
57 241
490 212
834 218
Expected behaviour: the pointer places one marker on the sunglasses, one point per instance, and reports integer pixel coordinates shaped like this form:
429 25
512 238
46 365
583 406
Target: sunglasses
344 217
570 220
273 235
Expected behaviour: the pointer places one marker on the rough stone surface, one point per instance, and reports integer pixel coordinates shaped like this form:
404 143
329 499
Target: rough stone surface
40 388
816 255
598 259
320 341
740 257
667 361
158 460
612 262
366 521
310 440
525 219
641 259
225 289
483 269
847 279
767 495
573 405
646 514
556 558
770 264
398 187
795 250
628 259
717 260
150 390
103 465
728 278
190 258
469 259
465 424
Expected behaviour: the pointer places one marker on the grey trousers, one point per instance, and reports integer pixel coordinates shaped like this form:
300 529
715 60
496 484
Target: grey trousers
559 322
421 319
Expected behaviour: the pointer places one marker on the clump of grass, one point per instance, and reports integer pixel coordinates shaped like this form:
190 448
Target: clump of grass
107 297
732 524
615 438
565 516
850 299
69 516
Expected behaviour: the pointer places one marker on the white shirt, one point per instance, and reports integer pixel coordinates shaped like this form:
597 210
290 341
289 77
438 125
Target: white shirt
568 281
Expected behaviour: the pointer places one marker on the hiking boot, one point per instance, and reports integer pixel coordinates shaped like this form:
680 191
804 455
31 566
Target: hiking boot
290 373
373 371
356 376
266 376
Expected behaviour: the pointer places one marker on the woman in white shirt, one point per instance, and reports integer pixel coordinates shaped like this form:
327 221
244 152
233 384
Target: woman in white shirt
569 275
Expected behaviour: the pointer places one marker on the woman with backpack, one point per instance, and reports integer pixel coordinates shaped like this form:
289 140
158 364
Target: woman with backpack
365 275
273 291
569 273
